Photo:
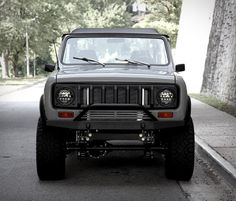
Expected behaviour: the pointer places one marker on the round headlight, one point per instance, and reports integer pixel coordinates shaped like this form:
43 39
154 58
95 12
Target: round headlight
65 96
166 97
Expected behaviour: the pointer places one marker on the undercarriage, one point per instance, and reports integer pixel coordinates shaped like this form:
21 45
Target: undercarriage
97 144
102 128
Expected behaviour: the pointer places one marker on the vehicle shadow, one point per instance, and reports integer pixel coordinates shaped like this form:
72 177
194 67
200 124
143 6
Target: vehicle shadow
117 168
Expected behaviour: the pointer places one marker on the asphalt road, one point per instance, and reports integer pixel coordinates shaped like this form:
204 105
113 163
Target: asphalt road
119 176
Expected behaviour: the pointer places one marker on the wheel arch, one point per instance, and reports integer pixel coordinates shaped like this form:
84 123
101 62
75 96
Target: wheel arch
42 108
188 110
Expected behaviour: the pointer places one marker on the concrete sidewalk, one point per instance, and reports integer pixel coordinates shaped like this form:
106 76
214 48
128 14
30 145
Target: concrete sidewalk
216 135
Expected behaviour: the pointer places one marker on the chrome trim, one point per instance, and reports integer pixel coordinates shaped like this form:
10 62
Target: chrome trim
87 96
143 96
115 115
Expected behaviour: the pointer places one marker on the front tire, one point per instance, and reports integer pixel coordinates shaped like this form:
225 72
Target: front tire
50 152
180 154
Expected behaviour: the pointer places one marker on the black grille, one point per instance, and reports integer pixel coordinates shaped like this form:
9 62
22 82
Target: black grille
128 93
111 94
97 95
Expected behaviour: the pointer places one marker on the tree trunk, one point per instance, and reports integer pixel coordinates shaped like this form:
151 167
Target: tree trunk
4 64
15 62
7 54
219 79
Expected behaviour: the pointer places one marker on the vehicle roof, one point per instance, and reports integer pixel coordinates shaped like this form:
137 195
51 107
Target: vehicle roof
116 30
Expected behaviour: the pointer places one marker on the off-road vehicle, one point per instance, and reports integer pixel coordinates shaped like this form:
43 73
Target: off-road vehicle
115 89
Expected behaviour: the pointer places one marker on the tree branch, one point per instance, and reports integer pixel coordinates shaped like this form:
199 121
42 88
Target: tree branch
3 3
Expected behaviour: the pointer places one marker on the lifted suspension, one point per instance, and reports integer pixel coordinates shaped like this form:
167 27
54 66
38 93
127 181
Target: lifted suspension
86 146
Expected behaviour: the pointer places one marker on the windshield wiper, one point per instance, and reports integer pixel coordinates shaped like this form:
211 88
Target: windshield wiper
133 62
89 60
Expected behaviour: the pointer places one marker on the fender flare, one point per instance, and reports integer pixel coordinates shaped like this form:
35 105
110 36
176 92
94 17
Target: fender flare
188 110
42 109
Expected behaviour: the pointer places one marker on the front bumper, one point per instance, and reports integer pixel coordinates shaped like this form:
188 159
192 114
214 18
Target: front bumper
114 125
79 123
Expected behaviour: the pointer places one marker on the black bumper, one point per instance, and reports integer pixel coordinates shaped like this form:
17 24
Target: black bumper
114 125
120 125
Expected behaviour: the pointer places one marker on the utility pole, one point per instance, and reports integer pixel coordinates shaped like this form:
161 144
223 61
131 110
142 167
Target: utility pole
34 73
27 53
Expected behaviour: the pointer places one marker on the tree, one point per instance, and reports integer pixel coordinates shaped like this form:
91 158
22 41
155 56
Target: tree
112 15
45 21
161 26
163 15
4 52
101 13
41 20
219 78
168 10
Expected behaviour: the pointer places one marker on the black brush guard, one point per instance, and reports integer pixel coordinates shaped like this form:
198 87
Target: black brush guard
123 125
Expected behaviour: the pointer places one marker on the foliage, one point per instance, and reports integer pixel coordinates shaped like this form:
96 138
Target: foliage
112 15
163 16
168 10
161 26
39 19
46 20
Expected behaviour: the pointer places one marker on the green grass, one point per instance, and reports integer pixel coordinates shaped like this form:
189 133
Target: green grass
214 102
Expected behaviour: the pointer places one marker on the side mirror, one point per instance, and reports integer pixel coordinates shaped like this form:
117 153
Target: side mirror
180 67
49 67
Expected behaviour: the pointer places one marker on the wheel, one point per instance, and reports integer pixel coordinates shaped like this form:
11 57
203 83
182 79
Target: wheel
179 163
50 152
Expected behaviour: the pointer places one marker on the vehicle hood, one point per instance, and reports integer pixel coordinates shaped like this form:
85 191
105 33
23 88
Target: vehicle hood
111 74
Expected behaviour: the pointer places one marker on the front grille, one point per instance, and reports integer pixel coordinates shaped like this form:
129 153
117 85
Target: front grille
115 115
116 94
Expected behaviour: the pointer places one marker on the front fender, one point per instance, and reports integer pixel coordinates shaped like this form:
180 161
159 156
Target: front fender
42 108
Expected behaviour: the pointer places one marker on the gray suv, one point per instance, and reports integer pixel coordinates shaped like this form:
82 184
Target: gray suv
115 89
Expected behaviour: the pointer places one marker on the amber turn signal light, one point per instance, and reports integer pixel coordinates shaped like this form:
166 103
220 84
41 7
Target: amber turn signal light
165 115
66 114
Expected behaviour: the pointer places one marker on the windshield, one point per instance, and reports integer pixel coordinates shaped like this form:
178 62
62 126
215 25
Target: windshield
109 50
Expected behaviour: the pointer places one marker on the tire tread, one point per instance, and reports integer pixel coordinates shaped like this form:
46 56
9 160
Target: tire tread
50 152
180 154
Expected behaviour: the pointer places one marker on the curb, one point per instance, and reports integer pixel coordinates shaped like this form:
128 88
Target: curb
24 87
227 170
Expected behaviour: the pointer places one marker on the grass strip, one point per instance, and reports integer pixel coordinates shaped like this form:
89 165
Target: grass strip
216 103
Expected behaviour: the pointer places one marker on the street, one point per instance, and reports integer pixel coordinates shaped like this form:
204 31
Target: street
119 176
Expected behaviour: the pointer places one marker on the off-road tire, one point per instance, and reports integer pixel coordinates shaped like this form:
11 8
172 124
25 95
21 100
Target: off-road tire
180 155
50 152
